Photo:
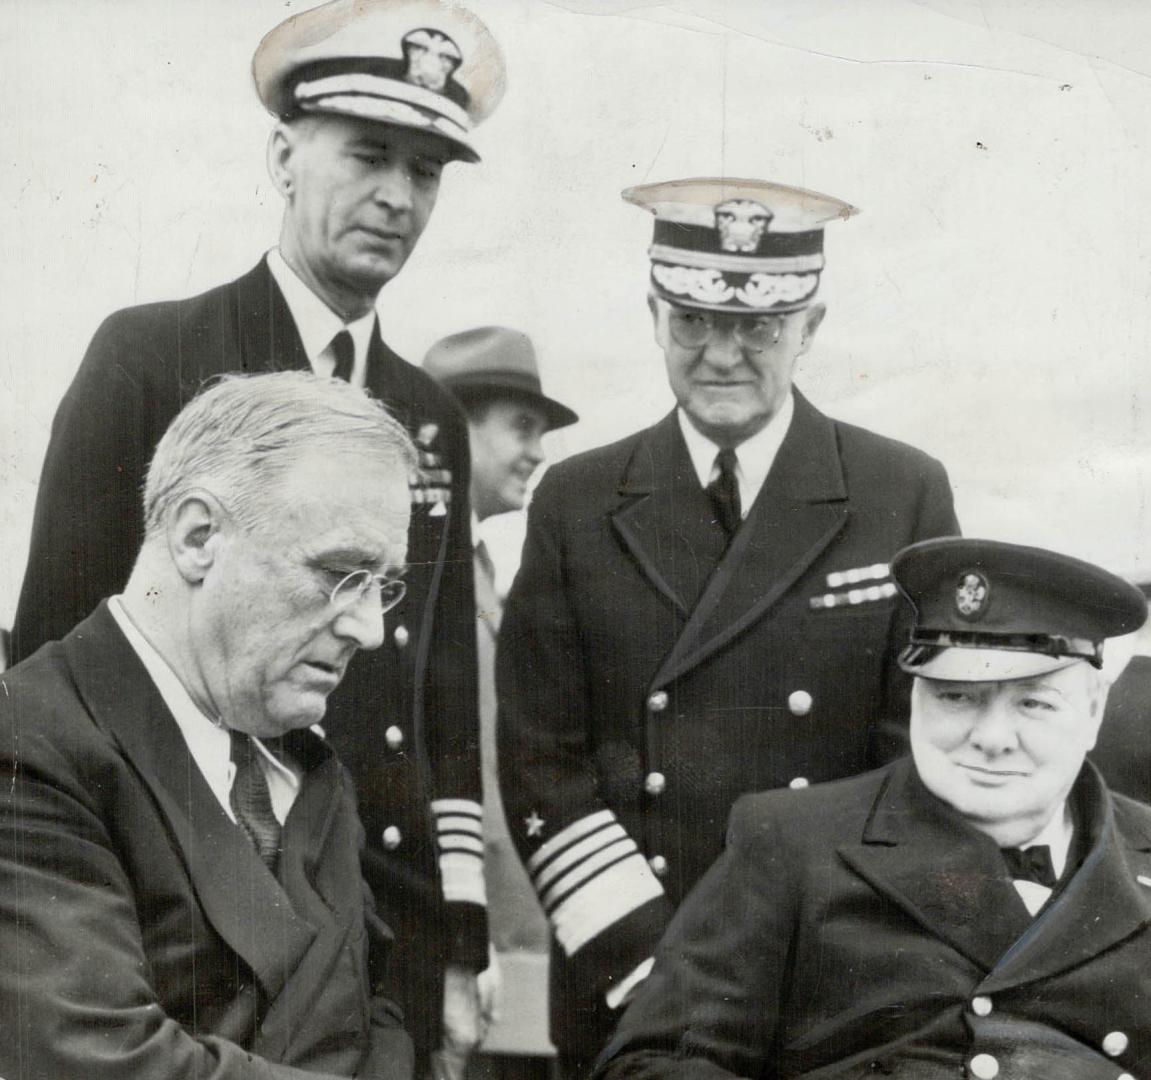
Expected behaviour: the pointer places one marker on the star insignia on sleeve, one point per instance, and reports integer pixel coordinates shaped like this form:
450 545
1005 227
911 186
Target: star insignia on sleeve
534 823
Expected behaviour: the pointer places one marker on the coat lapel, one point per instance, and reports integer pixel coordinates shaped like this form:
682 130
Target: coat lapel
241 899
265 329
1069 929
801 508
947 876
662 516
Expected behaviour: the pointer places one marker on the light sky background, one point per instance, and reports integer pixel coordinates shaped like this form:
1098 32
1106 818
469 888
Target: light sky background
989 305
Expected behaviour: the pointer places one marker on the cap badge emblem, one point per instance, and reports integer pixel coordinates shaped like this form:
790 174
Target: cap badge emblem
431 58
741 224
971 595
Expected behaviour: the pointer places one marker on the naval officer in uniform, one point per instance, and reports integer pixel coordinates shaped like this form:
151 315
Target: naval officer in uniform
703 608
981 910
373 100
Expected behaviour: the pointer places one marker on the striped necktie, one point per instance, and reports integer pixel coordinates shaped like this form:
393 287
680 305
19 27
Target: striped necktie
723 492
251 800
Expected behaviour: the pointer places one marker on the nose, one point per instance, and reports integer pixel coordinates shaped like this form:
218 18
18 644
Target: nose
394 188
722 350
362 622
994 732
534 450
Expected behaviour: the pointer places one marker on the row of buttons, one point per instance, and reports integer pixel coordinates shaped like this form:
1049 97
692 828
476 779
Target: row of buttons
655 783
799 702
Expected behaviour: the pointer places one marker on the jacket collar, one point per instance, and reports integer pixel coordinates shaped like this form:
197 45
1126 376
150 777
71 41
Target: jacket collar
802 506
952 880
240 897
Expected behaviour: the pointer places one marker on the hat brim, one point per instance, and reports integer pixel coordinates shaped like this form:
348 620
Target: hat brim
950 664
395 114
556 415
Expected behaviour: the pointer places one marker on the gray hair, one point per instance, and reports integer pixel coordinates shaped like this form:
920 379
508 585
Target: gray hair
241 433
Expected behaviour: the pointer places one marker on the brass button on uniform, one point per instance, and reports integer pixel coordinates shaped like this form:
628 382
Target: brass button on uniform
799 782
1115 1042
983 1067
654 783
658 701
401 636
658 865
799 702
981 1005
394 737
391 838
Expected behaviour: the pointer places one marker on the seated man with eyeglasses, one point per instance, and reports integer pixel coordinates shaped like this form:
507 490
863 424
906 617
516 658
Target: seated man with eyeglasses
658 573
180 886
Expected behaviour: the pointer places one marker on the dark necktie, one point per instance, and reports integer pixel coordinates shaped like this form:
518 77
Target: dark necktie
1030 864
345 353
724 492
252 802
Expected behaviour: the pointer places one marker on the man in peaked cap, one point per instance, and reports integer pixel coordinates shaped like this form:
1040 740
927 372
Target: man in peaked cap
492 371
660 571
982 909
372 99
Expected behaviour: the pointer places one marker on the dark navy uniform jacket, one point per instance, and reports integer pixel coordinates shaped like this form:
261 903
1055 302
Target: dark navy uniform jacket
649 674
864 929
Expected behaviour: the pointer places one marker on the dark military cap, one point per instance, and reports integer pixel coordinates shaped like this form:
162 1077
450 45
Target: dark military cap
989 611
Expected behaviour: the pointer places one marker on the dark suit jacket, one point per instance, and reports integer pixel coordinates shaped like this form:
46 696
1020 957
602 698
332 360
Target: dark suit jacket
1123 752
141 934
143 365
633 645
848 929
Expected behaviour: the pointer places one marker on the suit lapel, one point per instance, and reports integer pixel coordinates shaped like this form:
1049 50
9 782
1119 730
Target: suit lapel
663 518
265 329
947 876
241 899
800 509
1069 930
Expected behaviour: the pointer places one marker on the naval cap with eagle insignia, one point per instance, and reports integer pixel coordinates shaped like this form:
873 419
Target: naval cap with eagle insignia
422 64
987 611
746 246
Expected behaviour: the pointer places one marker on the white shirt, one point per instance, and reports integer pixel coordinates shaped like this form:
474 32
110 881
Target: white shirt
754 457
1057 834
318 324
208 741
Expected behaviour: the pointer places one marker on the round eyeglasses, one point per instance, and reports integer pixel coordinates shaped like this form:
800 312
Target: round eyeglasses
694 329
353 588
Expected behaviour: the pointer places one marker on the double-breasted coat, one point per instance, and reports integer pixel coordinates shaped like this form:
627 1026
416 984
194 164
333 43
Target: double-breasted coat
404 720
141 934
864 929
649 673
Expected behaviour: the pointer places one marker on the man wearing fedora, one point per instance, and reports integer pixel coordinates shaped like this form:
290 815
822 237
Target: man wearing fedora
981 909
704 608
493 372
372 100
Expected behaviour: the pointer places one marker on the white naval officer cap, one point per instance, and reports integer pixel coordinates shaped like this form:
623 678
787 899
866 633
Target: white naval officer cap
430 65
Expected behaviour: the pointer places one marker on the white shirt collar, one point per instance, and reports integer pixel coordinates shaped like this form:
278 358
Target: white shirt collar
208 742
1057 835
318 324
754 456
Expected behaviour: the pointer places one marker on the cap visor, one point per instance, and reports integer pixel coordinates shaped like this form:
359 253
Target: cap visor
395 115
979 665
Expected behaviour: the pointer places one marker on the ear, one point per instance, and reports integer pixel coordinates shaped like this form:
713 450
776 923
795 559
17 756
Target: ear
653 307
812 318
194 534
281 144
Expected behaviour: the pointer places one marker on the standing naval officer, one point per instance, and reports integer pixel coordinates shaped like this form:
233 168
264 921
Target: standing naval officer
981 910
703 608
373 98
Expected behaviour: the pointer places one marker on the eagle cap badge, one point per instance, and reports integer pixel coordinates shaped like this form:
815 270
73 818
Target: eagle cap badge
971 594
741 224
430 58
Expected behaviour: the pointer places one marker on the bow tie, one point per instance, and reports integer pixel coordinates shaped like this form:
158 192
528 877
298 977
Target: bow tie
1031 864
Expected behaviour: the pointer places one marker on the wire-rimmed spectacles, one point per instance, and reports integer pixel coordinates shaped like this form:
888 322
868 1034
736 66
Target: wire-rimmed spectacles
356 585
693 329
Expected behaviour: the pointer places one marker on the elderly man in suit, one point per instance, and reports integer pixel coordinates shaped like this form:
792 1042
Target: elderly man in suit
373 98
981 910
658 572
180 888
